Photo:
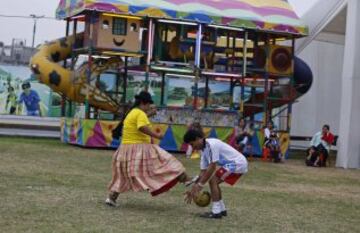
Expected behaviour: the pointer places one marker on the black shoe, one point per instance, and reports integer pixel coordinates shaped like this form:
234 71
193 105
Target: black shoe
110 202
223 213
211 215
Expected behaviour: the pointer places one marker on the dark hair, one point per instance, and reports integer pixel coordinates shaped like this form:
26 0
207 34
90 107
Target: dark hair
245 123
192 134
197 126
25 85
11 89
142 97
327 127
117 132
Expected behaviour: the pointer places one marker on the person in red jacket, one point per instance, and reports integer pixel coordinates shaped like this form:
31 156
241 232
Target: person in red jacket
320 147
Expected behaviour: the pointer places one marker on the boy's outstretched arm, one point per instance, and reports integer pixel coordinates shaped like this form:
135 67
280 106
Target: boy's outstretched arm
205 175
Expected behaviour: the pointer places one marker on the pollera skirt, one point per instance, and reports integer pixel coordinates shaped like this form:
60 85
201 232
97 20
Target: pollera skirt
140 167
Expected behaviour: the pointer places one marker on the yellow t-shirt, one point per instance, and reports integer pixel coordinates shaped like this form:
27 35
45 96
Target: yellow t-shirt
132 123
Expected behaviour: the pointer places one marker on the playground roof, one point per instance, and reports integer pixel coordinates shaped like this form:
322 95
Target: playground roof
267 15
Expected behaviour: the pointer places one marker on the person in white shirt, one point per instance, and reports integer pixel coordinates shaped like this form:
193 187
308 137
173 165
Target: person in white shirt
272 142
243 137
268 131
319 149
219 163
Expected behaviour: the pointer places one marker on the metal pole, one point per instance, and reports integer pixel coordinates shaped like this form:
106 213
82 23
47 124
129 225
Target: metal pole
125 77
73 62
162 88
266 89
206 91
34 31
289 115
63 98
198 47
90 21
197 64
243 74
35 17
149 51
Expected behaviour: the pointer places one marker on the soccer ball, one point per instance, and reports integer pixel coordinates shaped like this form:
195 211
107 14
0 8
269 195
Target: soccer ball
203 199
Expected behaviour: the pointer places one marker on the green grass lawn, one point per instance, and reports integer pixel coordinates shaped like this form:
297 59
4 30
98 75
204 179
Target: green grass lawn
47 186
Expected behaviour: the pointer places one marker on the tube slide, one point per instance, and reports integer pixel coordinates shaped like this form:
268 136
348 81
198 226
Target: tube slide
72 84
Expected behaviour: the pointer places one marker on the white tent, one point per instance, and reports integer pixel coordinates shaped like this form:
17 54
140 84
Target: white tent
332 50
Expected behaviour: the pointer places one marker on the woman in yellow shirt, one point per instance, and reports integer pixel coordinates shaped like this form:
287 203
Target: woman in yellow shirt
137 164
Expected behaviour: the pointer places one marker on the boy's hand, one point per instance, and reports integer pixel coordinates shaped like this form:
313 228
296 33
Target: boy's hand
196 188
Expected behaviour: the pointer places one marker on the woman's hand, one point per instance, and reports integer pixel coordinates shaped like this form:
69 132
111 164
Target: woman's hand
159 135
188 198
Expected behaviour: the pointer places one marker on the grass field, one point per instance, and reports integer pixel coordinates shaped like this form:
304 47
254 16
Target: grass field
47 186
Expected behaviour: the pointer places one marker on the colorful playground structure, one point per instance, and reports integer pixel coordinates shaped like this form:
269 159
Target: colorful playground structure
207 61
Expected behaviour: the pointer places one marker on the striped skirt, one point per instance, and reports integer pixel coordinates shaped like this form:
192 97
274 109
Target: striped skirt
139 167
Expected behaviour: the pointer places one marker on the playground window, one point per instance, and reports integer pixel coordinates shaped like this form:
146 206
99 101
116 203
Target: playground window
119 26
105 24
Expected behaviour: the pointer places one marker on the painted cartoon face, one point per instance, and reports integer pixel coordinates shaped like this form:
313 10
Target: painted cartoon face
119 33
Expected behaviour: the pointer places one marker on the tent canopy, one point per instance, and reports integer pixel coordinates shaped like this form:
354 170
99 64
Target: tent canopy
268 15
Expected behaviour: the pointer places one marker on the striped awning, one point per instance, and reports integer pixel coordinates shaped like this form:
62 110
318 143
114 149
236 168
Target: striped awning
268 15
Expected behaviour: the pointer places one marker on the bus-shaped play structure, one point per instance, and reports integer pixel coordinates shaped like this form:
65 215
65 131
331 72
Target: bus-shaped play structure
207 61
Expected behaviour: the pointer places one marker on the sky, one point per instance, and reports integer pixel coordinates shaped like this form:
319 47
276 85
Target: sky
49 29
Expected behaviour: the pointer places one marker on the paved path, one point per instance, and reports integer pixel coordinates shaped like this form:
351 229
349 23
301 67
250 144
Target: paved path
26 126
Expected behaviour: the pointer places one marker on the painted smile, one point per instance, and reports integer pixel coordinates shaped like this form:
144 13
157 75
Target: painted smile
117 43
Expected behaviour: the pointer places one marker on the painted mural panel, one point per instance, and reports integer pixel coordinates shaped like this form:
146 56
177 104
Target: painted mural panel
14 99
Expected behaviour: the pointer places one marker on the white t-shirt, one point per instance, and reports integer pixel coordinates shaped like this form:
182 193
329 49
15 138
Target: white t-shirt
267 132
224 155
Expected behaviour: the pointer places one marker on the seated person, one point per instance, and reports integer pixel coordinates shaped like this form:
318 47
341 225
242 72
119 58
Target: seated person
319 149
243 137
272 142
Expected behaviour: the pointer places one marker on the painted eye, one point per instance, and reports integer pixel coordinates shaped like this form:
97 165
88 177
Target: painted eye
105 24
133 27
